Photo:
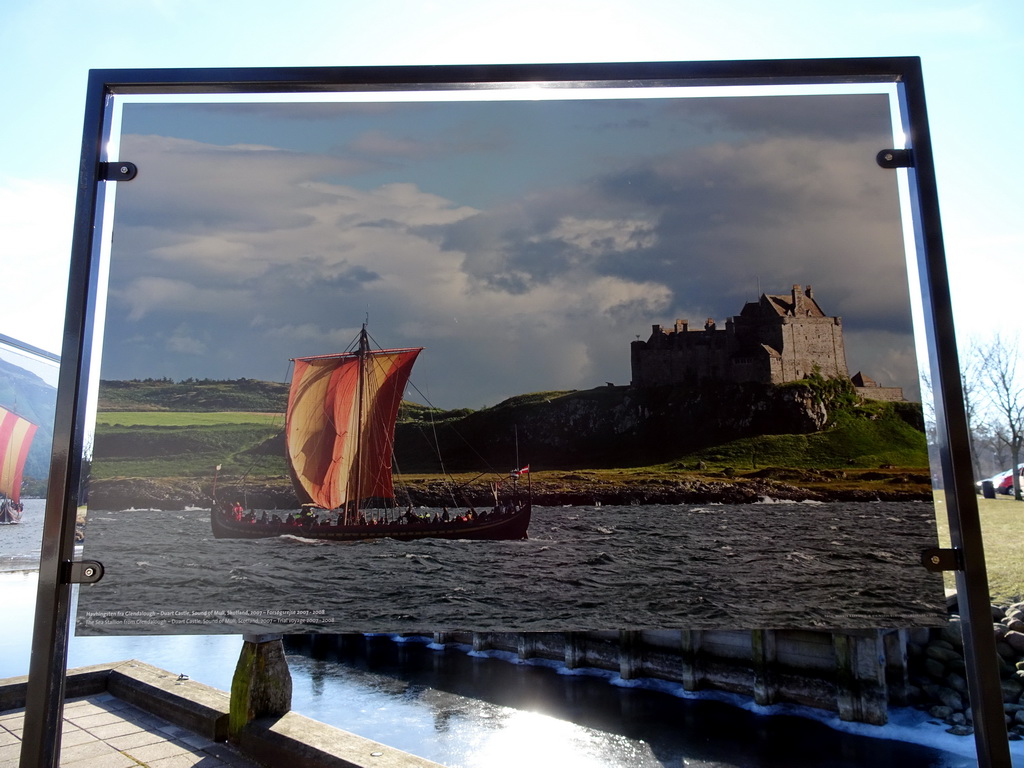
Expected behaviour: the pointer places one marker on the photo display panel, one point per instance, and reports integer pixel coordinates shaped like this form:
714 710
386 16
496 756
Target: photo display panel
28 378
512 359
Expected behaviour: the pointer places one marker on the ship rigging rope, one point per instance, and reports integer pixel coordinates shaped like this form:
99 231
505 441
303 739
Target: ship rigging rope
454 488
437 446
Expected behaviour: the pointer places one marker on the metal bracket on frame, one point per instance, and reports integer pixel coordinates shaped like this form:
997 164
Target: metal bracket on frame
938 560
895 158
82 572
120 171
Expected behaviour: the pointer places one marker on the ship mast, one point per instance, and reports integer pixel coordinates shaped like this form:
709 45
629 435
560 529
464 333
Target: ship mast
362 354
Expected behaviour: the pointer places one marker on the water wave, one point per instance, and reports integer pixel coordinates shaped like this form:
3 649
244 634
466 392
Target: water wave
843 565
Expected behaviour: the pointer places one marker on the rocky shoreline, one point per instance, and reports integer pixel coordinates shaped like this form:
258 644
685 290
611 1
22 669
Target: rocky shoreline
570 490
938 682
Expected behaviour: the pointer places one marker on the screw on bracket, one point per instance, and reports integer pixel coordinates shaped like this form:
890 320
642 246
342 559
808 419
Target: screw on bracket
121 171
935 559
84 572
895 158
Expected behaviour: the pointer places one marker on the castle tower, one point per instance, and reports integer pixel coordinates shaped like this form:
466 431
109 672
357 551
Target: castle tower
776 339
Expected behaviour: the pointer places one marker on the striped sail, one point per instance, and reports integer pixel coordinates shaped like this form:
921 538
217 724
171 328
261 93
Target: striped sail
16 436
340 425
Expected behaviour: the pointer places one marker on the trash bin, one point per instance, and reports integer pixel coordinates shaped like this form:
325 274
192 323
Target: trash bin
988 490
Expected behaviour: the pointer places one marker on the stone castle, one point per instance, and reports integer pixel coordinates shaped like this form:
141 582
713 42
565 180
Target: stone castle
774 340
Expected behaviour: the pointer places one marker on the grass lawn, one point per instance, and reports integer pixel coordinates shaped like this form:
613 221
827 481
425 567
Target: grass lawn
1002 528
185 418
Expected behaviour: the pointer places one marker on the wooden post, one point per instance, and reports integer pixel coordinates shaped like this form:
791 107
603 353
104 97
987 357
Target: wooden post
262 685
897 678
763 651
630 661
860 677
527 645
574 650
689 653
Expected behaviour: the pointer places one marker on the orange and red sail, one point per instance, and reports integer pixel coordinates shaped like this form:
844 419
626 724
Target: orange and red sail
340 425
16 436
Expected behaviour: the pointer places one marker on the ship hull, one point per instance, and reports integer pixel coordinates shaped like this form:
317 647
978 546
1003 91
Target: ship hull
508 527
9 517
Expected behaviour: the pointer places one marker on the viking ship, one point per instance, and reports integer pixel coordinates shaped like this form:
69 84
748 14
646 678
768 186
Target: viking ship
16 436
339 437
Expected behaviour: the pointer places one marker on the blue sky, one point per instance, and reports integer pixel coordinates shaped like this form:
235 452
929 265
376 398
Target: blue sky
970 53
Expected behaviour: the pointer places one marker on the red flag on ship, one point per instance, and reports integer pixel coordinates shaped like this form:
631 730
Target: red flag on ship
522 471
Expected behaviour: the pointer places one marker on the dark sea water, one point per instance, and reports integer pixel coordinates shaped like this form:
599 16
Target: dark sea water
767 565
486 710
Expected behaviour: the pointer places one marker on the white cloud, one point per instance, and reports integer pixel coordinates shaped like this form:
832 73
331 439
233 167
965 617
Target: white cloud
183 341
282 254
163 295
603 236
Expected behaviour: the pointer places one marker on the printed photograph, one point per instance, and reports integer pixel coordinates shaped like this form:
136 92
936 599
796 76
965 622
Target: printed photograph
583 362
28 395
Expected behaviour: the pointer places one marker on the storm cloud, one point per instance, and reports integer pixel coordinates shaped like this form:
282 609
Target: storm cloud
527 269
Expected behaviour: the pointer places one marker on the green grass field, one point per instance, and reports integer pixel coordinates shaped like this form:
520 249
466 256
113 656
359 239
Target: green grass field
186 418
1002 529
186 443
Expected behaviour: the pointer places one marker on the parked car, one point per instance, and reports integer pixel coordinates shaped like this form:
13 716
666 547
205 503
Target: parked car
1003 482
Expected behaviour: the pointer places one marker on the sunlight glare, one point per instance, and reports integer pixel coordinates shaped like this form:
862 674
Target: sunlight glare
530 738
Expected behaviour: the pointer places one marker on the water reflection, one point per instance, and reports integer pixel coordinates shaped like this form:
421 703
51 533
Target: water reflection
472 712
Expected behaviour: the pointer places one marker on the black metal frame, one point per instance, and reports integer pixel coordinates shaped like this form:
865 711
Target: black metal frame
44 709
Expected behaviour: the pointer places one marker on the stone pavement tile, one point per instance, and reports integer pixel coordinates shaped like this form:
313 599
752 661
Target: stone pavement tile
90 750
190 760
13 721
112 730
115 760
92 720
132 740
195 741
172 731
66 726
149 753
119 735
83 708
75 737
110 701
230 756
10 752
149 722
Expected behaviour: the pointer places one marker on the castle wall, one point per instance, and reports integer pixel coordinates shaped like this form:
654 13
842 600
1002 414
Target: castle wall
773 341
888 394
810 344
682 357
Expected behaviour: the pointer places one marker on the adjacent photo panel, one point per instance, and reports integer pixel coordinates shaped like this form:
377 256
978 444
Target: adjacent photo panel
538 357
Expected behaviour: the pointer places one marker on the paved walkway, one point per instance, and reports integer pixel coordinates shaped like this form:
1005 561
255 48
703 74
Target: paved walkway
104 732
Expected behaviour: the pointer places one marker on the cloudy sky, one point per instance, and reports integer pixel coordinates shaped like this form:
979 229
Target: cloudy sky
970 51
525 244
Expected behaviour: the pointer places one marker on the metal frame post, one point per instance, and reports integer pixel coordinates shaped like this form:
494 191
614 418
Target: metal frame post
41 744
44 703
951 425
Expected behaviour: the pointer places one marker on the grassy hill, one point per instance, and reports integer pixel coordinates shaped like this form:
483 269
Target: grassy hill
193 395
174 432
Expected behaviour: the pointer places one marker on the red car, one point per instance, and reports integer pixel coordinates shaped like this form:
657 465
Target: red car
1006 486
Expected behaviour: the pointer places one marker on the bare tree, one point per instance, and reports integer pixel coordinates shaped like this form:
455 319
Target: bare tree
1003 385
972 365
993 455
